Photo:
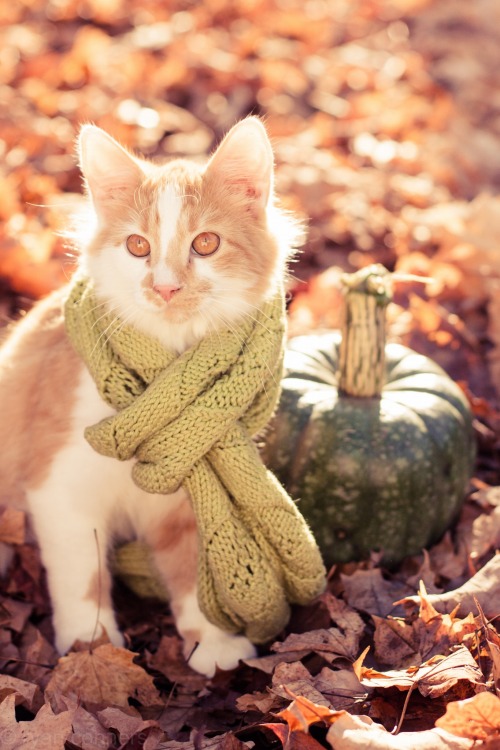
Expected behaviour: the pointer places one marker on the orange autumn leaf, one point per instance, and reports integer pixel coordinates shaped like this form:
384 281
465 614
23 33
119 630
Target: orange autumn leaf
477 718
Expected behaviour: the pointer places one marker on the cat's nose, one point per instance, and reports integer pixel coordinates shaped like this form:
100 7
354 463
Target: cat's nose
166 291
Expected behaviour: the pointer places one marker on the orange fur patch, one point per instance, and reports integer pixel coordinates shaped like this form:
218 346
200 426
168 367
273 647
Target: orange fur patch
175 548
38 374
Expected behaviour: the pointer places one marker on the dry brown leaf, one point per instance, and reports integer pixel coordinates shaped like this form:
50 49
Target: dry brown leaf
295 678
354 732
301 713
25 693
88 732
330 643
432 678
484 585
128 726
341 687
258 701
345 617
47 731
269 663
477 718
486 533
169 660
395 642
446 560
104 677
436 633
370 592
293 740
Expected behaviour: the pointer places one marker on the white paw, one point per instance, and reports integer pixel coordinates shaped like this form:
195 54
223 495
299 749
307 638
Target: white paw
69 632
221 650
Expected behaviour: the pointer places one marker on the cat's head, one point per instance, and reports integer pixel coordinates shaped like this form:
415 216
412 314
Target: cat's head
181 249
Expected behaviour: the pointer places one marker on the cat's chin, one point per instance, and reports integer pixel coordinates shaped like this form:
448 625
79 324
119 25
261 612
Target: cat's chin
176 330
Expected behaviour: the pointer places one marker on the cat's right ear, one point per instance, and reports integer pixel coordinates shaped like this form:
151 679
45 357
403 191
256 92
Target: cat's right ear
111 174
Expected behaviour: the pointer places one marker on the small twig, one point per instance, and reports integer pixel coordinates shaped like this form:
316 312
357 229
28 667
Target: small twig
99 591
405 706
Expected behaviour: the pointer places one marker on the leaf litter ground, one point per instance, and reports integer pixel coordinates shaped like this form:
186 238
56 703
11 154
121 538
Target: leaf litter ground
386 123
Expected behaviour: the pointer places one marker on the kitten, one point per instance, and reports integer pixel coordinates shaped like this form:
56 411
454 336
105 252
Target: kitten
177 251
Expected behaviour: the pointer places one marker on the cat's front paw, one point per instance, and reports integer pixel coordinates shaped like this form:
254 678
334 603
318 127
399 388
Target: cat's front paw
68 633
222 650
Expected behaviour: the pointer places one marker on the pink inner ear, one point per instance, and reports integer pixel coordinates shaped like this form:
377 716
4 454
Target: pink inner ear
246 186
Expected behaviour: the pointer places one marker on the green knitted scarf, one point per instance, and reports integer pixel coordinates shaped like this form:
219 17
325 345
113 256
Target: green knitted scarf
188 420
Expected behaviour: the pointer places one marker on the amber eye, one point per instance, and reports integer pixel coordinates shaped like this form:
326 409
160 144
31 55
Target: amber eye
206 243
138 246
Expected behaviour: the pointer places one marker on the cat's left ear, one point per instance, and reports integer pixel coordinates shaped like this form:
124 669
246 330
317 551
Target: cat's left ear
244 161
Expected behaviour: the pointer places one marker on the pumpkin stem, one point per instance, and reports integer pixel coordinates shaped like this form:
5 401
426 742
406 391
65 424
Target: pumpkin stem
362 350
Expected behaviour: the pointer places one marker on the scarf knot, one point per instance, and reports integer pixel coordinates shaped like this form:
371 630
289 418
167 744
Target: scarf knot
189 420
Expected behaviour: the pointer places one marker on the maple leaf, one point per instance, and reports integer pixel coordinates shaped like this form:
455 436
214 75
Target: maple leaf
370 592
170 661
399 643
106 676
477 718
354 732
129 726
432 678
47 731
88 732
26 693
296 679
330 643
298 717
485 533
483 586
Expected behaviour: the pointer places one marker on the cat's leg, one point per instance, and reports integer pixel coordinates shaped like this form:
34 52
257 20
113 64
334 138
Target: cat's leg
71 511
174 541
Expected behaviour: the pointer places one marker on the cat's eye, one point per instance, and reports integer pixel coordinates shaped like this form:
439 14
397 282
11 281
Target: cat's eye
138 245
206 243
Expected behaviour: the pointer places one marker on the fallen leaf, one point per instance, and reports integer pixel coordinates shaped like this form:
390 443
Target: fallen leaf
395 642
477 718
486 533
26 693
106 676
340 687
354 732
88 733
330 643
370 592
295 678
298 717
47 731
128 727
293 740
436 633
432 678
169 660
484 586
258 701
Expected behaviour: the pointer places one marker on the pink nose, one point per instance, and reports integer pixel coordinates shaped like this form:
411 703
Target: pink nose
166 291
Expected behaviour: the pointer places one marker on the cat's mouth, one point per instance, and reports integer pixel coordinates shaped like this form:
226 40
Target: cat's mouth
175 305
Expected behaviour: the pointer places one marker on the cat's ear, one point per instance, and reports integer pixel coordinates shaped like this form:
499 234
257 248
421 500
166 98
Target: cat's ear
111 173
244 161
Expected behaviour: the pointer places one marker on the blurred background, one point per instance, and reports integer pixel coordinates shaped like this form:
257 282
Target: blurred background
384 115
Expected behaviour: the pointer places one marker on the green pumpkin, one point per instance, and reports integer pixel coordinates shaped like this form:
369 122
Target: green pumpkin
385 471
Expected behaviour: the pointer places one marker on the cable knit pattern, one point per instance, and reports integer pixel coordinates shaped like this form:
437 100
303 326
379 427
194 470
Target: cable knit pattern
188 420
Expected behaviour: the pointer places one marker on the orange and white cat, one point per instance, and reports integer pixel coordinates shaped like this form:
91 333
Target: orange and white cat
176 250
